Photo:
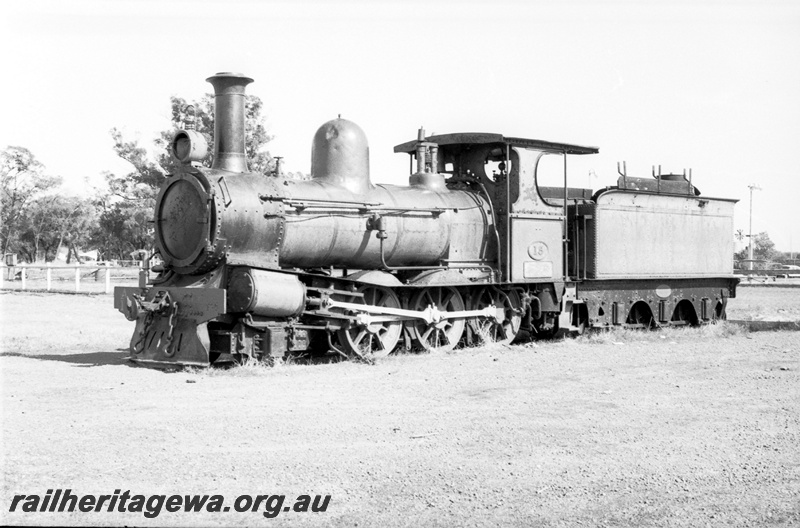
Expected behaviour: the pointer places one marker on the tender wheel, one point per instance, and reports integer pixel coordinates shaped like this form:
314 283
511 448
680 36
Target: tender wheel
580 319
446 333
510 315
377 339
684 314
640 316
719 313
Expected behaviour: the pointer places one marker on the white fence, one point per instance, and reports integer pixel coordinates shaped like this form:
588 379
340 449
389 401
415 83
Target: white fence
89 274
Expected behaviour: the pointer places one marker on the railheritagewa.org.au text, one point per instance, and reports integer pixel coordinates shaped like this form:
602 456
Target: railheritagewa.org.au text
152 506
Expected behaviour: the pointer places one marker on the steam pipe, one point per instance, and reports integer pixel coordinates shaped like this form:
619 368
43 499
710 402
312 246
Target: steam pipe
229 106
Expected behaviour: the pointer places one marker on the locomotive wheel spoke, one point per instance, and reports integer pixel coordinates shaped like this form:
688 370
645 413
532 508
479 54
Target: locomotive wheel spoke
445 338
359 338
379 341
430 298
376 339
446 300
444 334
488 329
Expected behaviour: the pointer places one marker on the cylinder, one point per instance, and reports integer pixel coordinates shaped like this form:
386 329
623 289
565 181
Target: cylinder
229 107
266 293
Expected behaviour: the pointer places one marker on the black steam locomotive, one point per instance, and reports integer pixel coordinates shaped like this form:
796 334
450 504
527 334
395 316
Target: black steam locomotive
473 249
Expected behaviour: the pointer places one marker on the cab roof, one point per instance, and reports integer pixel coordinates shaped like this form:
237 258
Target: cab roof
472 138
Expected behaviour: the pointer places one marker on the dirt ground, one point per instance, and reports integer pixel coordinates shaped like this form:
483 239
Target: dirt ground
691 427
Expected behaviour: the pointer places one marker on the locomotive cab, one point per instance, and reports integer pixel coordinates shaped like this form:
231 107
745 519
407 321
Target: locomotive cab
531 221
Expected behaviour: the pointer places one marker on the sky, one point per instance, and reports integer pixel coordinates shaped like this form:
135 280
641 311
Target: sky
709 86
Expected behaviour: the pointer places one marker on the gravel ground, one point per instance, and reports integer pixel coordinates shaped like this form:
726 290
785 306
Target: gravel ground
689 427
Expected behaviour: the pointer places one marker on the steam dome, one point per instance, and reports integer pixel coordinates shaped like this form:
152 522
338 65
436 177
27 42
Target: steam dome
340 156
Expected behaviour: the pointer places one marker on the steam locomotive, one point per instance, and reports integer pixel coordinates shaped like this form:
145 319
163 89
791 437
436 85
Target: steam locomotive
473 249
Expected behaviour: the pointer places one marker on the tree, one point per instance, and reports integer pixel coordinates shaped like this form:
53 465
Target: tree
76 223
21 179
123 227
787 257
53 221
763 249
35 224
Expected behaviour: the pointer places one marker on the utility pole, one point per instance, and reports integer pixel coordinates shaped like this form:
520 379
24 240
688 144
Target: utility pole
752 187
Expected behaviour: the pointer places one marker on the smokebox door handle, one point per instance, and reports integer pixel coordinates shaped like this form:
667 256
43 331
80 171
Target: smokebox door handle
223 188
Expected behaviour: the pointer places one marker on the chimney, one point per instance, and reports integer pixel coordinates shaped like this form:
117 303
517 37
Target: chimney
229 121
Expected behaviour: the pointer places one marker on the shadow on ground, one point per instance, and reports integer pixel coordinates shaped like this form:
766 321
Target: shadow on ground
766 326
121 355
88 359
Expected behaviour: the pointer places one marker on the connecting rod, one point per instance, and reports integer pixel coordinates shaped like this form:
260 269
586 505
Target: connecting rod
431 315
